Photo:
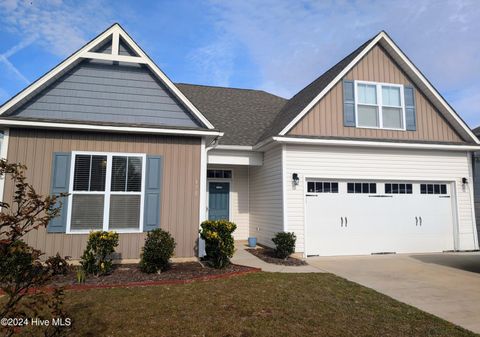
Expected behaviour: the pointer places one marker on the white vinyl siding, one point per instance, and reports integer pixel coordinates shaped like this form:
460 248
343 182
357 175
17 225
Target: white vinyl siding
239 205
386 164
266 202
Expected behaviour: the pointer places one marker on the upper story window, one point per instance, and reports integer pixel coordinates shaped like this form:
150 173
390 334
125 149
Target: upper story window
380 105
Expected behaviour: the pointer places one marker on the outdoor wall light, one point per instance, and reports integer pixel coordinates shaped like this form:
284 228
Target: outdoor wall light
295 179
464 180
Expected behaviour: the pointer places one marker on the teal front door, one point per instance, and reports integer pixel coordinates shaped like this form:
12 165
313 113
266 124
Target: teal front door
218 201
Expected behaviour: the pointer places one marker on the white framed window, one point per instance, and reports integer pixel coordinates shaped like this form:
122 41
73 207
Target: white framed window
379 105
106 192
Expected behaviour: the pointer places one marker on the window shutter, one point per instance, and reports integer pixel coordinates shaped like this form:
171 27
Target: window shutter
59 183
153 190
410 113
348 103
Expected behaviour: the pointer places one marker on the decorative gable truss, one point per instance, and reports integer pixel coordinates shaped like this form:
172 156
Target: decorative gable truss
114 45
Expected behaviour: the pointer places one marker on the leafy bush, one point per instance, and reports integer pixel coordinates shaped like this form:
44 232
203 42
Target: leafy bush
97 257
58 265
21 269
284 244
219 244
158 249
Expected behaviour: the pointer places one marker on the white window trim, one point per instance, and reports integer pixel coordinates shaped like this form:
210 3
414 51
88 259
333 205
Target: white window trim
379 105
107 192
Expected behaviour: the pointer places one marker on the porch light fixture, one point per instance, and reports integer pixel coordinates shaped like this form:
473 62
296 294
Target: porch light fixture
295 179
464 180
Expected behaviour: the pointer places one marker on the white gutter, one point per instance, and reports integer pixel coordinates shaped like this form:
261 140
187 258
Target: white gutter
86 127
363 143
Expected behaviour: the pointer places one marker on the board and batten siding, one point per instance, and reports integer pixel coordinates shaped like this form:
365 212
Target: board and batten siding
378 164
266 201
180 192
99 91
326 117
239 198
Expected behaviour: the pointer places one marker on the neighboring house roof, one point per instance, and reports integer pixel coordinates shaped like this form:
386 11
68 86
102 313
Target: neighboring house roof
476 131
303 98
243 114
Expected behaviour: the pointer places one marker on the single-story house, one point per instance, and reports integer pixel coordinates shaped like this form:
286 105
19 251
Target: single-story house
368 158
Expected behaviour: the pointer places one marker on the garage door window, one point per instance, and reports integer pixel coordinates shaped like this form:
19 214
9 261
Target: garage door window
322 187
433 188
394 188
362 188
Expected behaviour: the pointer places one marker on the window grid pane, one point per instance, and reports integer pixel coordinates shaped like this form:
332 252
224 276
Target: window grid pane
322 187
124 212
90 176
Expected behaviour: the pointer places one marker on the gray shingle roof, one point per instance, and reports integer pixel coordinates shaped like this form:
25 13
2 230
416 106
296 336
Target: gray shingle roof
249 116
243 114
298 102
476 131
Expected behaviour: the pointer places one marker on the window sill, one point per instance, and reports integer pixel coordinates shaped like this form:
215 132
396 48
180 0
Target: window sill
379 128
124 231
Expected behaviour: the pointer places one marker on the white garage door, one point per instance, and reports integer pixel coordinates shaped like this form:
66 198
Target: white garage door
365 217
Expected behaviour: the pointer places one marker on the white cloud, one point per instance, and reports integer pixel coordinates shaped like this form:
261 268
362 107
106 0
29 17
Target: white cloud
57 26
293 42
214 62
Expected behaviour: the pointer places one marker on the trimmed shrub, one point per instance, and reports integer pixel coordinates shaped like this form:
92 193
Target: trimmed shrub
58 265
97 257
158 249
219 244
284 244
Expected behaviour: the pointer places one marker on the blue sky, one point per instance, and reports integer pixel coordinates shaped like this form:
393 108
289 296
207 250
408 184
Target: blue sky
275 45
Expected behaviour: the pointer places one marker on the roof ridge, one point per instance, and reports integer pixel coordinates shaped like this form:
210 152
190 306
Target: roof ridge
232 88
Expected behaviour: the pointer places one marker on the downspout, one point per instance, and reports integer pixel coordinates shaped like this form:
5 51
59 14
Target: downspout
203 187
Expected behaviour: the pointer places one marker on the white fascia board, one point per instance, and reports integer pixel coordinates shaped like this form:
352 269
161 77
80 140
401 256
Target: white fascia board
234 147
107 128
330 85
363 143
384 37
84 52
235 157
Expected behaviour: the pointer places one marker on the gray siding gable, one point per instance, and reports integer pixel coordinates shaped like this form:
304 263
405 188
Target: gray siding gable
101 91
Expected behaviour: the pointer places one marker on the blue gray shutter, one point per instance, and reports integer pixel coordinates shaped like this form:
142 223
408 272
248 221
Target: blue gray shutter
59 184
410 113
348 103
153 191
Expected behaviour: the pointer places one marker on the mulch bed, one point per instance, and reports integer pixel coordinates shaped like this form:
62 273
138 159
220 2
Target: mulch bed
268 255
130 275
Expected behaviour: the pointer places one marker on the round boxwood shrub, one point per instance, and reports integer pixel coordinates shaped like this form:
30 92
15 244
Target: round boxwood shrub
284 244
158 249
219 244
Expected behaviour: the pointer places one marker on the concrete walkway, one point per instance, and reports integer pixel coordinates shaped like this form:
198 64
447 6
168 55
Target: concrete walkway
244 258
446 285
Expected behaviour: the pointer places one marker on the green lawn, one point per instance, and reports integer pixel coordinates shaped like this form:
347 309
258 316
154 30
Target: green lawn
258 304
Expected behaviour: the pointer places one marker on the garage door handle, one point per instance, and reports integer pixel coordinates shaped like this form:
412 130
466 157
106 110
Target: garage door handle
341 221
420 221
346 221
416 221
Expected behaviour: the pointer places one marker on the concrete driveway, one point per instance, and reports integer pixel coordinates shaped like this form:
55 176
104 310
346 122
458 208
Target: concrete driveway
446 285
